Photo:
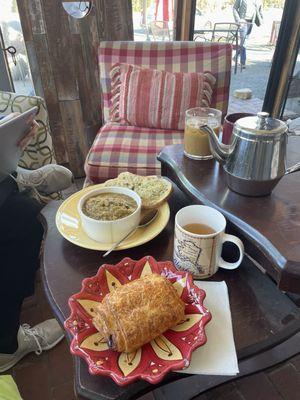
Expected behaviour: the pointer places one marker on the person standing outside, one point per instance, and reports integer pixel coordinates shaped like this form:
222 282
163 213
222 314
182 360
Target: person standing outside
246 13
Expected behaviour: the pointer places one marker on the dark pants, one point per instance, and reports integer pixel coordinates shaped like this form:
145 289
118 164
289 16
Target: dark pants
20 239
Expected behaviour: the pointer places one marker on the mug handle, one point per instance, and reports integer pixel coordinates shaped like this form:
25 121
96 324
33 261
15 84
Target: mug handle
233 239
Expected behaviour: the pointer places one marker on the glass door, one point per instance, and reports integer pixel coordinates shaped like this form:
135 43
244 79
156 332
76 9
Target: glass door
153 20
291 103
14 66
255 25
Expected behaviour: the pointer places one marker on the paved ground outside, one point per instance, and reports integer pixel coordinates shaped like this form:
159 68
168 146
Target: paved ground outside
256 74
259 54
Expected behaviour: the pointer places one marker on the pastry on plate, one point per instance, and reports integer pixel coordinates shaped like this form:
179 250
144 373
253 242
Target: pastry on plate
138 312
153 190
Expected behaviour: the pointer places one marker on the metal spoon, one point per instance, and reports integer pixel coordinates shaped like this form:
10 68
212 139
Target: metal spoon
147 217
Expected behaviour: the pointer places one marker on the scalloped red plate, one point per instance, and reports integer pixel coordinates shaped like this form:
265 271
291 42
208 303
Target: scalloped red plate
169 352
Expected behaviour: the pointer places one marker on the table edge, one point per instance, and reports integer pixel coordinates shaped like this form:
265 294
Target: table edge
285 274
246 355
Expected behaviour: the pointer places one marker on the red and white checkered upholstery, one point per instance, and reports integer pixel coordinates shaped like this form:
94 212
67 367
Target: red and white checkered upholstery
124 148
169 56
119 148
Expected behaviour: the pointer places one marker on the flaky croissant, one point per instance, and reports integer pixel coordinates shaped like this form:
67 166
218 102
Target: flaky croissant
138 312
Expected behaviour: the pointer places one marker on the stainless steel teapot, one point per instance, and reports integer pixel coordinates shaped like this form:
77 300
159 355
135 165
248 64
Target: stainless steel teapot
255 159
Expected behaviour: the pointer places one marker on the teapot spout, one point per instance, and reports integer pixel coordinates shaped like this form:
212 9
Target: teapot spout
219 150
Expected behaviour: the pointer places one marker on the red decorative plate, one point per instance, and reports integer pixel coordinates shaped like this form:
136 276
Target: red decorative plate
169 352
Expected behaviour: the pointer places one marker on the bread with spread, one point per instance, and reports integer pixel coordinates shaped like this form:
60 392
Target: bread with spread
153 190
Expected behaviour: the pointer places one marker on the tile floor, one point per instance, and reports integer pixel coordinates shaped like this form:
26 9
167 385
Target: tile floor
50 375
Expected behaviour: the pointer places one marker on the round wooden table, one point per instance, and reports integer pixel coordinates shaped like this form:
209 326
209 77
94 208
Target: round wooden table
269 226
266 322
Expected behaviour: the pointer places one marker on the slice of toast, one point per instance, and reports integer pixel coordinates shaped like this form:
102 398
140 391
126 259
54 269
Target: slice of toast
153 190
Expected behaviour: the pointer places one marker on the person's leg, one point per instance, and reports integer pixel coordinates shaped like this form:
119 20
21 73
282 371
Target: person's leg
243 34
243 56
10 314
248 29
20 239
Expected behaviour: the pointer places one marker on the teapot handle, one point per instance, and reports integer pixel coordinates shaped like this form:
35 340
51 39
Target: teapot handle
293 132
295 167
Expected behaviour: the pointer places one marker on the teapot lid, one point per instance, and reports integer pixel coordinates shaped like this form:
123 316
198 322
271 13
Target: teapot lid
262 124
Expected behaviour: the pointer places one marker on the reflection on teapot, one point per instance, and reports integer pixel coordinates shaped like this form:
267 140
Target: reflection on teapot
255 159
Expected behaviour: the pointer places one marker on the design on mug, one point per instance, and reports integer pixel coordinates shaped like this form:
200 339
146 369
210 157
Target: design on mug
188 253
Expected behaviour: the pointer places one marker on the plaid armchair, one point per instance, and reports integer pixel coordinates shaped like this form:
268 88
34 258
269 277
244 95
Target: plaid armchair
40 150
119 148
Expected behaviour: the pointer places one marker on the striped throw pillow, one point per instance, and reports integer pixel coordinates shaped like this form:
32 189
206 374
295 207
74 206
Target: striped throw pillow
156 99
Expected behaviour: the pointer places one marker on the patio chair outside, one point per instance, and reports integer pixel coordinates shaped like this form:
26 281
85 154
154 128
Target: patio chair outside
160 30
228 32
205 36
231 31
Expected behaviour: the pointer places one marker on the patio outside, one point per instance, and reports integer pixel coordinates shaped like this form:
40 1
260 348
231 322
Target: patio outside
260 44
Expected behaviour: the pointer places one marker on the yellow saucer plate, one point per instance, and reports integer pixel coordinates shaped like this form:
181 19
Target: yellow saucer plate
69 225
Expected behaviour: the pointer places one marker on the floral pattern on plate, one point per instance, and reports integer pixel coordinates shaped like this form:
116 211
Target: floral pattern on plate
169 352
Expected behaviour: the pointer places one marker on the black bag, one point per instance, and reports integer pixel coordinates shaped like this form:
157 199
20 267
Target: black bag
258 16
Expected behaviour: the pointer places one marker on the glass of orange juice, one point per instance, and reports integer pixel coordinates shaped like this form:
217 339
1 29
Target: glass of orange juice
196 142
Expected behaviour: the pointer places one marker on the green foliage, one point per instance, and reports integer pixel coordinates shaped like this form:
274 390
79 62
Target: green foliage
137 5
273 3
211 5
14 7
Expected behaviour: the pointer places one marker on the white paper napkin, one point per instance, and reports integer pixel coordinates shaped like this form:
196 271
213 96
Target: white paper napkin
218 355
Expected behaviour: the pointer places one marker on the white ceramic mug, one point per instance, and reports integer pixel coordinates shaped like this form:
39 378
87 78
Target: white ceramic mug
200 254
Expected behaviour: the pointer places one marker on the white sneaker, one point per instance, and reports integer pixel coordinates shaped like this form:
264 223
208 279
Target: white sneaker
48 179
41 337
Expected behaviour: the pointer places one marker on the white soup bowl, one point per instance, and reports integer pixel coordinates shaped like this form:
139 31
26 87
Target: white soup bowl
110 231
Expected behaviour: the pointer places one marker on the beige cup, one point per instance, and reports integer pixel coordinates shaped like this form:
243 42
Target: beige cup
196 142
201 254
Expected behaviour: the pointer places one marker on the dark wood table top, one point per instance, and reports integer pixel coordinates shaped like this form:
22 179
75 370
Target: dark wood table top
263 317
269 225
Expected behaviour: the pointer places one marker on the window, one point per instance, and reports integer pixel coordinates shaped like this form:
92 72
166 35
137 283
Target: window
77 9
12 35
153 20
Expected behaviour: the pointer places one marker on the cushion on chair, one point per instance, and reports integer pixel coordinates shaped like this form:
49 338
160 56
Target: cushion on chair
119 148
169 56
156 99
40 150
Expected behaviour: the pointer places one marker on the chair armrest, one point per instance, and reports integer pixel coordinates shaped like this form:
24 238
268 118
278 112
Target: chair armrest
40 150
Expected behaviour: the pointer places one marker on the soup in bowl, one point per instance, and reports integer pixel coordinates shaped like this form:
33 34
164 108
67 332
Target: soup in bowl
108 214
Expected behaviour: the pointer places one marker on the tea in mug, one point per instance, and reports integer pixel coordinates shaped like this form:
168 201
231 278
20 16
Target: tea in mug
199 229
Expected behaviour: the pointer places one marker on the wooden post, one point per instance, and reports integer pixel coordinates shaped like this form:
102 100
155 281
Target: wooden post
62 52
184 19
